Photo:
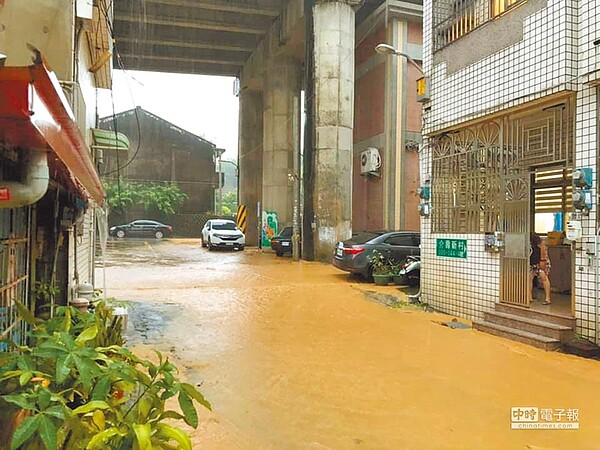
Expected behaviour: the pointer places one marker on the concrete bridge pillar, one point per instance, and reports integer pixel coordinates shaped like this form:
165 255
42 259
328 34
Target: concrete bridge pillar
281 135
250 158
334 42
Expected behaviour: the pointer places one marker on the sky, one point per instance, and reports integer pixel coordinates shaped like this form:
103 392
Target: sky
201 104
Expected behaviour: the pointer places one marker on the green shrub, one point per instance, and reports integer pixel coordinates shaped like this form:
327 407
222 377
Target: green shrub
75 387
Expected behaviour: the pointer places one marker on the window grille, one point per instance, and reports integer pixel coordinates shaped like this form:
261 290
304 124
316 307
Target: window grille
452 19
14 273
468 165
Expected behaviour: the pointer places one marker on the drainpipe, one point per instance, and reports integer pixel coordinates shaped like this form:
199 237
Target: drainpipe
33 186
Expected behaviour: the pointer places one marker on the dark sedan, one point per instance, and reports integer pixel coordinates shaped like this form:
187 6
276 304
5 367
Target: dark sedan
141 228
282 243
354 255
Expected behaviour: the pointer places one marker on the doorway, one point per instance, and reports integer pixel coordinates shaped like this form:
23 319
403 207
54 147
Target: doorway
536 196
551 201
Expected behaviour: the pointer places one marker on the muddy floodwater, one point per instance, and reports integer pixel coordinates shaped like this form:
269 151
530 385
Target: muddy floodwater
299 356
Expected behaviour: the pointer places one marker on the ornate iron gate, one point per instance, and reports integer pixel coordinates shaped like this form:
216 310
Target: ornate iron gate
14 272
514 222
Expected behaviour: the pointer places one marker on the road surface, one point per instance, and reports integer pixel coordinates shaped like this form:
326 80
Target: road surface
299 356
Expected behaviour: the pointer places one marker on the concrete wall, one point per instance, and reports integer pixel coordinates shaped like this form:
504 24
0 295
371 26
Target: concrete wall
369 131
387 117
47 24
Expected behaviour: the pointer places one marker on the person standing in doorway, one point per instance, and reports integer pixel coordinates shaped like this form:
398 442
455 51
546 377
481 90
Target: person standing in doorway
539 265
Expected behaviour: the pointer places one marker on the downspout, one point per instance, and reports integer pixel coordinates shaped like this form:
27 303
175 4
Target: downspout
33 186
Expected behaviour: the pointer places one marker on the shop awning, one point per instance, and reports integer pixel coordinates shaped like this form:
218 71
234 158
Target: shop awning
109 140
35 114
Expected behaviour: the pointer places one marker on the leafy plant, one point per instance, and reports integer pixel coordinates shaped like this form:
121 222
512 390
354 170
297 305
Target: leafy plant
229 203
76 387
165 197
380 264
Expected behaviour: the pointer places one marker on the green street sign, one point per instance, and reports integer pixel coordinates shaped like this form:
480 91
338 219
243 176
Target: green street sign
451 248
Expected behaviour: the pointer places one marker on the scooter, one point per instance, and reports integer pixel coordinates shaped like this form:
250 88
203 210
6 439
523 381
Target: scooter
410 271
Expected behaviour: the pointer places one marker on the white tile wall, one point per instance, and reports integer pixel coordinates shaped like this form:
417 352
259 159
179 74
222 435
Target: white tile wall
544 61
557 53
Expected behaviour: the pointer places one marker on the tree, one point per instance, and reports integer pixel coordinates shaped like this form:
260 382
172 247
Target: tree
230 203
165 197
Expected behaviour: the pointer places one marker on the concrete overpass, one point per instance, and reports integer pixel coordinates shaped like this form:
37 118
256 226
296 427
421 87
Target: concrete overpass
265 43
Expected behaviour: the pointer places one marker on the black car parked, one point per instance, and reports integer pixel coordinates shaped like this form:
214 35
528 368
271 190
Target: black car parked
282 243
354 255
141 228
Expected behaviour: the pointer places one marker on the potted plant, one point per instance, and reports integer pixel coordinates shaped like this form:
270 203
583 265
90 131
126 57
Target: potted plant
382 274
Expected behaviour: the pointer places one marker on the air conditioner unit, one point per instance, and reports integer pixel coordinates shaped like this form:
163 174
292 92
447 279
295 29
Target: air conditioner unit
370 161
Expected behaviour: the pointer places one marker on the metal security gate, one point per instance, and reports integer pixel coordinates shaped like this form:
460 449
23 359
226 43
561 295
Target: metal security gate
532 141
14 272
514 223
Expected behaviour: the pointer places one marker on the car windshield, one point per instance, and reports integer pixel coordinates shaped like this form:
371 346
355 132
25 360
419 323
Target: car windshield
286 232
224 226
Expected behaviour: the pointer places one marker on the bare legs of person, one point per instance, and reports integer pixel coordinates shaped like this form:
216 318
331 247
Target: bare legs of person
546 283
543 276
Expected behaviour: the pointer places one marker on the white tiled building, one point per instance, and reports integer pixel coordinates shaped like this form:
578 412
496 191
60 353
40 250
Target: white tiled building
514 109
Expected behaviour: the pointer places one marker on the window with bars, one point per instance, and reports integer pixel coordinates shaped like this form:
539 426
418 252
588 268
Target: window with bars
469 164
453 19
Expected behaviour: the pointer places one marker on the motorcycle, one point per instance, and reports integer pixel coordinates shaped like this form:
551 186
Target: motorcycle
410 271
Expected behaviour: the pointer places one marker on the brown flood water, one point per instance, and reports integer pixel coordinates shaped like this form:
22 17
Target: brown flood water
295 356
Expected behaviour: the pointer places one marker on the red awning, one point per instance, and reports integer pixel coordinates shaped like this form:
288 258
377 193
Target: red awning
34 113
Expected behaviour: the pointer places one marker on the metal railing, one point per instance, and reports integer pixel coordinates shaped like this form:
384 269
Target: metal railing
14 273
453 19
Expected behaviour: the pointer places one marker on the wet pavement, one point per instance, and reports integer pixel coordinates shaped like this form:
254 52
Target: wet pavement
299 356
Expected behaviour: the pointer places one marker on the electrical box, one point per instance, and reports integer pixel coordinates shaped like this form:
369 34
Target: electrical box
424 192
574 231
583 177
85 9
423 91
370 161
494 242
582 200
424 209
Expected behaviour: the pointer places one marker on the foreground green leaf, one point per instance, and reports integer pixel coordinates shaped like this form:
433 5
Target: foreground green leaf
25 431
167 433
189 411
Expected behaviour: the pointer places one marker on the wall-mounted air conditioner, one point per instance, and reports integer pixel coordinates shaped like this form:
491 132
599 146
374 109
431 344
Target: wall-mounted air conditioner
370 161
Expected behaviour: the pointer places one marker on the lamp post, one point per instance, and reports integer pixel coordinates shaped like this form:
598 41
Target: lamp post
219 200
387 49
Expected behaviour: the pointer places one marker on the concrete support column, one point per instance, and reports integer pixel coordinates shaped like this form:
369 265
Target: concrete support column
334 115
250 158
281 135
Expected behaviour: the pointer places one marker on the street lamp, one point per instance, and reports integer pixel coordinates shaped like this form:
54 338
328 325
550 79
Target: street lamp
422 83
387 49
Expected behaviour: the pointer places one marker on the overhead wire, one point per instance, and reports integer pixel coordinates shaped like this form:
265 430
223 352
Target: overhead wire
119 61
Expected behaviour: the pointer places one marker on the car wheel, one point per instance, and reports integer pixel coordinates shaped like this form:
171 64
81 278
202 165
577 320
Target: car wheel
279 253
241 249
203 243
159 234
120 234
369 275
210 246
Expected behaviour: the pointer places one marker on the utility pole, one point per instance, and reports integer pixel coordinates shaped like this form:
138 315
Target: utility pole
219 193
297 178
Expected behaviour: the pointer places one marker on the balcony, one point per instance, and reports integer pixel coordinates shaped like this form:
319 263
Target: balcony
453 19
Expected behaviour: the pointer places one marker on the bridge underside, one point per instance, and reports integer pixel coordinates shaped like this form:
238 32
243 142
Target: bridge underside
264 44
209 37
